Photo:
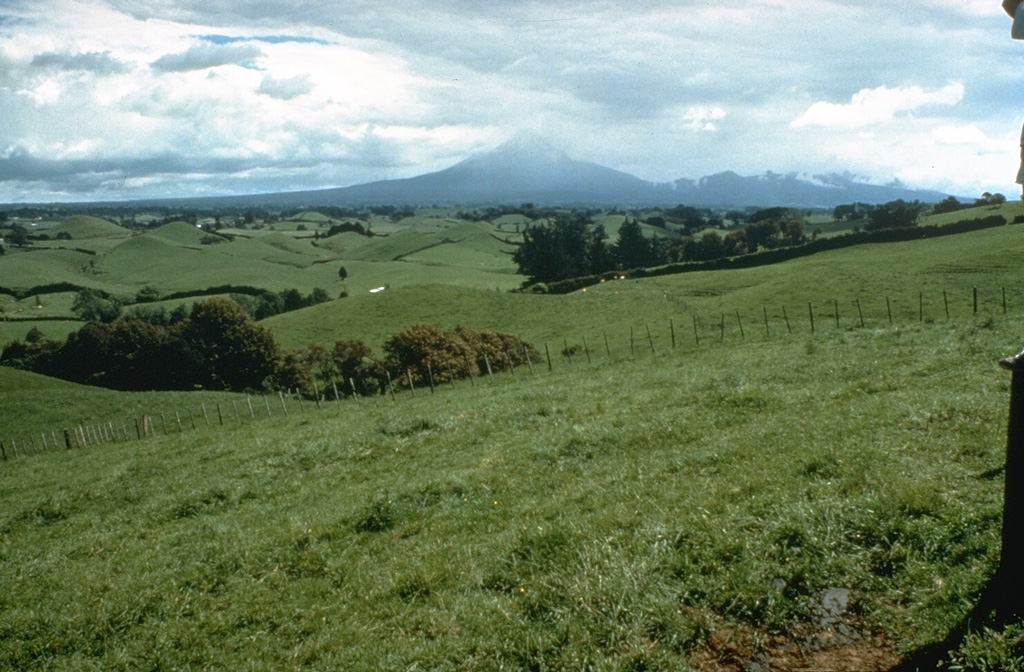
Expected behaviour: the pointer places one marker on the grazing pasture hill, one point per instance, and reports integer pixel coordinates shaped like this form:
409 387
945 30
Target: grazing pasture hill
913 281
816 501
181 258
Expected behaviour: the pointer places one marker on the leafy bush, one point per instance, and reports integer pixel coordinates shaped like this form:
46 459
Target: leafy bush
423 349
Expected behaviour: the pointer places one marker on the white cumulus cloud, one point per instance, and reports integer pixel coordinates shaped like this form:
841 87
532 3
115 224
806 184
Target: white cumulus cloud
868 107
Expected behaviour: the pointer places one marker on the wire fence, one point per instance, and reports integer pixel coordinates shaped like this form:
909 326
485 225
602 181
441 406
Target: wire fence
686 332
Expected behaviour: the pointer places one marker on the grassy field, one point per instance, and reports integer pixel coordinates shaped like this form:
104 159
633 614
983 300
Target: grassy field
913 277
675 511
728 503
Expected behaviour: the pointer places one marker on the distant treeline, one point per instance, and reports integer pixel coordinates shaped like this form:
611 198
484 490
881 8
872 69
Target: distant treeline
776 255
567 247
218 346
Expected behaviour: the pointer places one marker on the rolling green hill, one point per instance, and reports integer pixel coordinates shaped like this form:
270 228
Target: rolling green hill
655 512
903 273
691 508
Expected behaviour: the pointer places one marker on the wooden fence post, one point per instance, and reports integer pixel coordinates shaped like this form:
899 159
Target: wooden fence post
632 349
220 415
177 417
860 313
529 362
391 385
945 302
487 363
650 339
284 405
1004 300
586 349
266 402
412 388
672 332
205 416
3 451
920 307
810 313
836 302
696 334
975 300
1010 574
430 375
739 322
337 397
548 353
888 309
607 348
316 394
785 316
767 332
67 438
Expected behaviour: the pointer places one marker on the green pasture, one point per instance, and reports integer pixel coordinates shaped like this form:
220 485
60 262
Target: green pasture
16 330
20 270
645 512
912 276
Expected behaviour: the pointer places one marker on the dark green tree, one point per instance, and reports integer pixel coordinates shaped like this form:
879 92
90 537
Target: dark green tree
894 215
239 354
554 251
94 306
633 249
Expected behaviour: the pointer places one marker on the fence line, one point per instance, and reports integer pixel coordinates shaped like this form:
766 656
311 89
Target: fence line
85 433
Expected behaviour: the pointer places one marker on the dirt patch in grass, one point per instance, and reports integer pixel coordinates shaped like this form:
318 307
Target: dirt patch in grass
831 642
729 651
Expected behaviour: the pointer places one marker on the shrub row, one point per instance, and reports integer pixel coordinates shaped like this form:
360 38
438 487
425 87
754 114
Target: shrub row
219 346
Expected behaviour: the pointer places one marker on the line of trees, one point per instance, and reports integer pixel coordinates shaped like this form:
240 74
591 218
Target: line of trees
219 346
568 247
97 306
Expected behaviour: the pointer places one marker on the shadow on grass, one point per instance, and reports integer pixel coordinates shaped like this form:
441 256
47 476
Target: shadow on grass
998 607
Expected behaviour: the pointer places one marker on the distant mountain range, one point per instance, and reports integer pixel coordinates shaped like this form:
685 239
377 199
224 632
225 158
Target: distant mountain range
528 171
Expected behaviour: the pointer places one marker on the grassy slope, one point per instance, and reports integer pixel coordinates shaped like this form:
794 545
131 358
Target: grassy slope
615 513
610 515
988 260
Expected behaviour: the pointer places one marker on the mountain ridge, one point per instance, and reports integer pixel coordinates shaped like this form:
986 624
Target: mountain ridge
531 171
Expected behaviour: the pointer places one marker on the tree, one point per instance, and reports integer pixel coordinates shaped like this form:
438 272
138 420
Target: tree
554 251
18 235
342 273
599 255
240 354
894 215
632 249
707 247
948 204
94 306
424 348
354 362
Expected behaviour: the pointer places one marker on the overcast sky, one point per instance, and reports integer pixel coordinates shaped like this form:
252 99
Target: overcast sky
123 99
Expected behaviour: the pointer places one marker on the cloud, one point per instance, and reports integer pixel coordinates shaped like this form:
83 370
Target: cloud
869 107
331 94
268 39
285 89
100 63
206 55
